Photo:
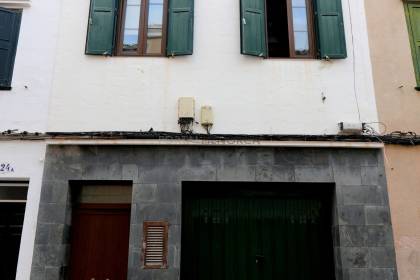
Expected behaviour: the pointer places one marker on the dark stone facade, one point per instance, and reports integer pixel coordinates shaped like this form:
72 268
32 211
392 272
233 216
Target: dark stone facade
363 241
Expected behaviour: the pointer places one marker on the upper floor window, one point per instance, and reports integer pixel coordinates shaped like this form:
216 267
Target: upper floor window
142 30
413 19
140 27
9 34
293 28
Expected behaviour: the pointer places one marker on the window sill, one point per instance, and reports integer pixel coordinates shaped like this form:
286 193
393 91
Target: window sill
5 88
15 3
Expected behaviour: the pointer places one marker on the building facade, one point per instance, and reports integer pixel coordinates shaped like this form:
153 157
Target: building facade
28 35
393 37
195 140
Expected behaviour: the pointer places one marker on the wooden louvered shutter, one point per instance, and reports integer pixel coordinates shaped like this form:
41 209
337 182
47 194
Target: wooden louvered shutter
253 30
9 34
101 27
330 29
414 27
155 244
180 27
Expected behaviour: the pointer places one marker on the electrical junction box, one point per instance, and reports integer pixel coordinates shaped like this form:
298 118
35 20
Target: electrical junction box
186 108
206 115
351 128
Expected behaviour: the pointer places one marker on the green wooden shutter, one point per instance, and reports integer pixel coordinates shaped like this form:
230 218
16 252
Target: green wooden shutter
330 29
253 32
101 27
180 27
414 18
9 34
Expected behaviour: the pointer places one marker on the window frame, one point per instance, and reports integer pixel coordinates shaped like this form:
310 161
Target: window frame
142 38
414 54
310 14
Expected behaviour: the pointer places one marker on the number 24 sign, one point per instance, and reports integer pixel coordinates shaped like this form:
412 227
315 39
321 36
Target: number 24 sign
6 167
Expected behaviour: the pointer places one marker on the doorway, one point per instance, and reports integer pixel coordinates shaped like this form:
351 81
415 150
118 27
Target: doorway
12 211
100 233
237 231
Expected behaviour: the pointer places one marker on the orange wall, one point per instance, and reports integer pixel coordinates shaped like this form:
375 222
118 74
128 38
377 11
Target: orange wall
399 109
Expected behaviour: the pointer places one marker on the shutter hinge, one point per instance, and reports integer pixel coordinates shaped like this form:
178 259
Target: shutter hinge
244 20
90 21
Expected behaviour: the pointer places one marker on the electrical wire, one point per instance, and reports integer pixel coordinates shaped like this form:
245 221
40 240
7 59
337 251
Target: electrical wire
354 62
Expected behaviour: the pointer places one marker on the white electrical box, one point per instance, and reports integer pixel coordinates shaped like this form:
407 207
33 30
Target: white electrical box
351 128
206 115
186 108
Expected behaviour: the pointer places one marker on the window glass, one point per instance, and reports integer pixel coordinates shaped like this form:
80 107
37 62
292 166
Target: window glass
154 27
131 25
300 27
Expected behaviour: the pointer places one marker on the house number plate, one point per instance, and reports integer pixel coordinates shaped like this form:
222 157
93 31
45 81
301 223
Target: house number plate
6 168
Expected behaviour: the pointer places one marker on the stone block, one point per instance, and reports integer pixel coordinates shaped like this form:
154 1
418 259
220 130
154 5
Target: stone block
264 173
159 212
313 173
377 215
370 175
363 195
38 273
130 172
39 256
166 274
352 236
351 215
348 175
52 213
379 236
354 257
56 235
283 173
144 193
238 173
157 174
42 233
382 257
197 173
383 274
356 274
52 273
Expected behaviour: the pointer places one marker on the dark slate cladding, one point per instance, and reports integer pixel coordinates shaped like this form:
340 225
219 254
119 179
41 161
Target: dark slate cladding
363 241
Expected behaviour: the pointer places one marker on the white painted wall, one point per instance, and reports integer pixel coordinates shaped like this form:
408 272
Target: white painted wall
27 161
25 107
248 94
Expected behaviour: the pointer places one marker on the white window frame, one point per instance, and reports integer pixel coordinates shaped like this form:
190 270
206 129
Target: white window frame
15 3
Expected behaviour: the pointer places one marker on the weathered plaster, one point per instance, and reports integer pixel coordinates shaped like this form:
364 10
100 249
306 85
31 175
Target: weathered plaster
248 94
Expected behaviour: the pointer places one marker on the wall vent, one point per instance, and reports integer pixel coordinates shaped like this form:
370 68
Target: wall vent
155 244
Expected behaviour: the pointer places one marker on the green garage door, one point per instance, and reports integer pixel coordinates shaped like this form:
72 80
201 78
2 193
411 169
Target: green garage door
250 235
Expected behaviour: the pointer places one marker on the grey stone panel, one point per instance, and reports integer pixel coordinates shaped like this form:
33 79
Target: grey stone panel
363 242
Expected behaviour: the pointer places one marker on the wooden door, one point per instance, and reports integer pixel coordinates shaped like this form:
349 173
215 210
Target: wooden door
99 246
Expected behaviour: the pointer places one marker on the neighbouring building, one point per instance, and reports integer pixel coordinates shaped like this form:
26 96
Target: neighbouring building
394 36
28 35
201 140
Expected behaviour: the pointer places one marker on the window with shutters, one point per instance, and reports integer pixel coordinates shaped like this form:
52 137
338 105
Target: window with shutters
155 244
413 20
9 34
140 27
293 28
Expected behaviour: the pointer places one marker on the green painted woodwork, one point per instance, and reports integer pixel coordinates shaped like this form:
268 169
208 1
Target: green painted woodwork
255 238
253 29
413 20
330 29
180 27
101 27
9 34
